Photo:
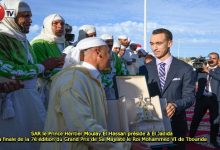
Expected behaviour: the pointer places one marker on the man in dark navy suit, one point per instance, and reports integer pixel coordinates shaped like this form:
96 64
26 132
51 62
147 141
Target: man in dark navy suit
172 79
208 98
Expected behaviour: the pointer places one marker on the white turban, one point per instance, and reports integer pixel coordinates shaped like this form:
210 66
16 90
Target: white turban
47 33
86 29
8 25
122 37
116 44
106 37
73 53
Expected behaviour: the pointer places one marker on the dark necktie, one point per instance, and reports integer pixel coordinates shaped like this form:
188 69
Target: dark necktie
162 74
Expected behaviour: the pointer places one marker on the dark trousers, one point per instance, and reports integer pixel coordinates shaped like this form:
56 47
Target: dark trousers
202 105
179 129
177 146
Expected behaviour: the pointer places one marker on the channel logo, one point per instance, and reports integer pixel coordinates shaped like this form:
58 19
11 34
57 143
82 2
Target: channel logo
10 13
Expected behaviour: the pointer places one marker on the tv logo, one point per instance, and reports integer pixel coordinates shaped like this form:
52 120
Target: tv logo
10 13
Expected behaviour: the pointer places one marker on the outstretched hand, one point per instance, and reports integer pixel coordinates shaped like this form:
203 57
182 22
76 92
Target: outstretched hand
52 63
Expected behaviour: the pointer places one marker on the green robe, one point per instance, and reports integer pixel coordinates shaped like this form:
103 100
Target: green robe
116 69
45 50
124 67
13 60
22 109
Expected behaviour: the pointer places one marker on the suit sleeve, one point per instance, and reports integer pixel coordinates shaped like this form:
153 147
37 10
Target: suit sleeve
215 74
143 70
188 91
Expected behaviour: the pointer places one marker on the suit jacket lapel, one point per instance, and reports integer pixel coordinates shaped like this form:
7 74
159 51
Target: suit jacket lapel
171 73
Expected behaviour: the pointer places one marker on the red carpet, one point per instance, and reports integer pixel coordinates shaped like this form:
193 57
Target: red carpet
203 131
194 146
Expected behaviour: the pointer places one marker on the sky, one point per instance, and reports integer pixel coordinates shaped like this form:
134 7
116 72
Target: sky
194 23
